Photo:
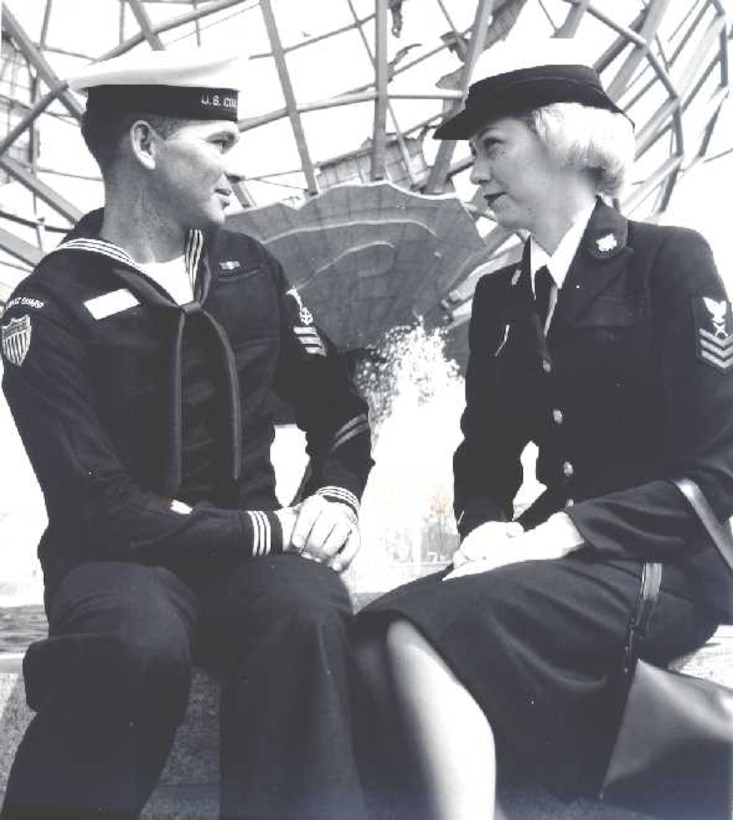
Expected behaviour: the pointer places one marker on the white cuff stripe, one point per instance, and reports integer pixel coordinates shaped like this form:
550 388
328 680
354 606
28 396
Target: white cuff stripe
260 534
268 534
256 532
340 494
266 546
262 542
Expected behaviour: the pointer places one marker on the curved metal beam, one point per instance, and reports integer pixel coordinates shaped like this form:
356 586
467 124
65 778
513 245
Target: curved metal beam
290 102
174 22
40 189
13 28
379 129
31 116
19 249
146 27
439 171
654 16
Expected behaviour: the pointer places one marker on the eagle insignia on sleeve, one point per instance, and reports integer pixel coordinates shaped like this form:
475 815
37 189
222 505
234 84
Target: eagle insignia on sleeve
16 339
713 326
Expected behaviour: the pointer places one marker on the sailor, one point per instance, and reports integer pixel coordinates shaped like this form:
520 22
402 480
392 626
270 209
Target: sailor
142 358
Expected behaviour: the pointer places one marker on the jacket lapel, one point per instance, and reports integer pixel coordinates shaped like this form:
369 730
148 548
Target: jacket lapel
518 310
518 301
602 255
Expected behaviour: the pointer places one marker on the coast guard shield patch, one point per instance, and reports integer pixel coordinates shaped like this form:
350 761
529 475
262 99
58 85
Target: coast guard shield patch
714 332
16 339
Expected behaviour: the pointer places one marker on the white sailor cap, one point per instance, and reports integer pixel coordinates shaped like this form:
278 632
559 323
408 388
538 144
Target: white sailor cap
199 84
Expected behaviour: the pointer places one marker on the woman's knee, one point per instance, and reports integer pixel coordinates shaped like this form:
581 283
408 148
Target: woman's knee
402 637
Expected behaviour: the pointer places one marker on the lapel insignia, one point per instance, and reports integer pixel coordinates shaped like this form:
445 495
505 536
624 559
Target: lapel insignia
16 339
515 276
503 340
607 243
306 317
713 325
231 265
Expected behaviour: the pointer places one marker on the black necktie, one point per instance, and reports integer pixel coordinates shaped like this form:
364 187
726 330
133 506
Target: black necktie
542 288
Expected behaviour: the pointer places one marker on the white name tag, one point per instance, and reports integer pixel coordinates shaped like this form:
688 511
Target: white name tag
110 303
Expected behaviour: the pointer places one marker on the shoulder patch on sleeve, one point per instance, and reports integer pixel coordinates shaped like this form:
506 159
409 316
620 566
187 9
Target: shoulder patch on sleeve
713 332
306 317
304 327
16 339
25 301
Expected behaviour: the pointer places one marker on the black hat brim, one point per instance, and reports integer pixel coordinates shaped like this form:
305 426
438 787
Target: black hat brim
524 90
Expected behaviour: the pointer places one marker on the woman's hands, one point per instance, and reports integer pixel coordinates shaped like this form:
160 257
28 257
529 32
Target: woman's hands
497 544
484 539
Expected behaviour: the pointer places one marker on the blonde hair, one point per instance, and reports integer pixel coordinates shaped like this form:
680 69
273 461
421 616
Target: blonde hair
586 138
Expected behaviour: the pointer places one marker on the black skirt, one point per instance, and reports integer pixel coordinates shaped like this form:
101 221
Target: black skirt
540 646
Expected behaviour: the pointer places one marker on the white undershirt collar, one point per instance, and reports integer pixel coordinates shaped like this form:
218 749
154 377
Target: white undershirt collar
173 277
177 277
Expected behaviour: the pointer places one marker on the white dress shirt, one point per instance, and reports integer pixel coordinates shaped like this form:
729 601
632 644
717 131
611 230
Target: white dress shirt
559 262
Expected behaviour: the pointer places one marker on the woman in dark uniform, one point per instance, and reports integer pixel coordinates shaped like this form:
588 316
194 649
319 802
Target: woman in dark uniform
609 346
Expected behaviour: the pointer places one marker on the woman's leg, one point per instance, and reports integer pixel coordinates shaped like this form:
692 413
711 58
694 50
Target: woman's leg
454 740
389 762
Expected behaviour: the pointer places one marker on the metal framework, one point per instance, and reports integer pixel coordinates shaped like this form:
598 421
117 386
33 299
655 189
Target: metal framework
666 61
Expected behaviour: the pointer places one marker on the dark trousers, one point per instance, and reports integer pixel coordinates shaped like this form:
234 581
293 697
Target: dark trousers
111 684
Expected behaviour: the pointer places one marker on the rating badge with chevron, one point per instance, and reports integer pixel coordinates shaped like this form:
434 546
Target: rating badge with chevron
714 332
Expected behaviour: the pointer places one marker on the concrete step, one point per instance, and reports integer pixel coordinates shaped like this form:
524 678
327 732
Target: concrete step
188 787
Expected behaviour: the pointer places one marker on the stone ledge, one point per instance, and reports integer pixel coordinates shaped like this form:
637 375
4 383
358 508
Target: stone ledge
188 790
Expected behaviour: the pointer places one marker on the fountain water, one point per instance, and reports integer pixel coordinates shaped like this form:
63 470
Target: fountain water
416 396
22 519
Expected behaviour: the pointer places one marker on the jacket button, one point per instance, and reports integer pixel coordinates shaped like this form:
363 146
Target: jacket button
546 366
557 416
567 469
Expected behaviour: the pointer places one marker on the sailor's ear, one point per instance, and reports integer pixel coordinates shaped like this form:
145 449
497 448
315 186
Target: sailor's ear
143 142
